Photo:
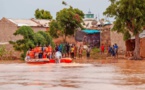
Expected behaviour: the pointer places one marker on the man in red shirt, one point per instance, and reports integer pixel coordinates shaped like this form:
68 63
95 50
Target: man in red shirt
102 48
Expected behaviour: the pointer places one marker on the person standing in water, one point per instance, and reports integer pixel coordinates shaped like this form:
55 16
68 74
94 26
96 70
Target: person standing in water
102 49
88 51
80 51
58 56
116 50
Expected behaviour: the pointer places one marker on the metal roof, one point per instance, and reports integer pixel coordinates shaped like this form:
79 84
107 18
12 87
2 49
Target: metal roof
91 31
141 35
30 22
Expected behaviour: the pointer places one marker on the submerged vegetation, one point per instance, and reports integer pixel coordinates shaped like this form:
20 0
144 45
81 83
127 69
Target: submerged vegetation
6 54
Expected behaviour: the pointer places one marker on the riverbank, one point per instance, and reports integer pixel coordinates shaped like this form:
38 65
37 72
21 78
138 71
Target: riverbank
84 60
11 61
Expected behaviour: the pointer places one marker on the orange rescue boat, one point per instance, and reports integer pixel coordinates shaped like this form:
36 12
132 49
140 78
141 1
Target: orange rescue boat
44 61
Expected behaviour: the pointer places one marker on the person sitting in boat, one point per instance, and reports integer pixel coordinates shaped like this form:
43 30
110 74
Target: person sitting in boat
58 56
40 55
44 55
27 55
36 50
48 50
30 54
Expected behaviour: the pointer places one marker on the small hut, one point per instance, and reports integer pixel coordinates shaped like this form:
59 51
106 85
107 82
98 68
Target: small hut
130 45
88 37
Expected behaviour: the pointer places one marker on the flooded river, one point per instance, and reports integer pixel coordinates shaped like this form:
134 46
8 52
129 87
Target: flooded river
72 77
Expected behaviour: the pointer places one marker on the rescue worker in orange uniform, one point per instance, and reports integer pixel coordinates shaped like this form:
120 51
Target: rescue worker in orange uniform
49 51
30 54
36 50
40 52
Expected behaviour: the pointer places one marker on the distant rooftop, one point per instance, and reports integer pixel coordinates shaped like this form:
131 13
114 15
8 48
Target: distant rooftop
88 31
89 15
23 22
30 22
89 12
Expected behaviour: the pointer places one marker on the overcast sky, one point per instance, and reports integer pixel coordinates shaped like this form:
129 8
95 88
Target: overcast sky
24 9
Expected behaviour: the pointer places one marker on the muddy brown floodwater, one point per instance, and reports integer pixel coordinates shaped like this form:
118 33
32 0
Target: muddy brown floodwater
125 75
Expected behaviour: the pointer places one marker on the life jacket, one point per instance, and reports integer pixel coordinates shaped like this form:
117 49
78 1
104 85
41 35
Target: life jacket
49 49
39 49
31 54
46 49
44 55
35 49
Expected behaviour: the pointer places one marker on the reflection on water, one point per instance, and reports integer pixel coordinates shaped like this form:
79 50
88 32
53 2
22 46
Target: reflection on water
127 76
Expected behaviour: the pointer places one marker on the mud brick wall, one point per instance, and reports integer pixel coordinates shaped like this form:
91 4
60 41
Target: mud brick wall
118 39
7 29
142 47
105 37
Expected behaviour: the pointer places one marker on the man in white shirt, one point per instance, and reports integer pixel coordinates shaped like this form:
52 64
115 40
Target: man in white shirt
58 56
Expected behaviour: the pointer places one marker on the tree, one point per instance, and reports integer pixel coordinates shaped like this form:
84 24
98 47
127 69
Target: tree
130 19
55 29
30 39
24 44
42 14
47 38
69 19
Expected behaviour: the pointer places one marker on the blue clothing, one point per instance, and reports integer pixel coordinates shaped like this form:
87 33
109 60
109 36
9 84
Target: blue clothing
115 49
111 50
60 47
115 46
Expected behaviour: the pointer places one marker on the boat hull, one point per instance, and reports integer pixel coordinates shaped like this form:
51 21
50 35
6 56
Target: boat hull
63 60
37 61
44 61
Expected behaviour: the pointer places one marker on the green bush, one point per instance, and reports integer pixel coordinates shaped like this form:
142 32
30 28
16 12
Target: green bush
96 50
2 51
6 54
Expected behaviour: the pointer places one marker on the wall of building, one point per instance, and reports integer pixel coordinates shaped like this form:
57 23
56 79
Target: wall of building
69 39
36 29
118 39
105 37
142 48
130 46
7 29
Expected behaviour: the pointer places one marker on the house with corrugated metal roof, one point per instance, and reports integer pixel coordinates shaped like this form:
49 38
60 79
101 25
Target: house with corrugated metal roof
9 26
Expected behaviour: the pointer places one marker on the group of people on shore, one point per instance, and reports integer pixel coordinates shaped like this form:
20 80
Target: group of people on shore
67 50
111 51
